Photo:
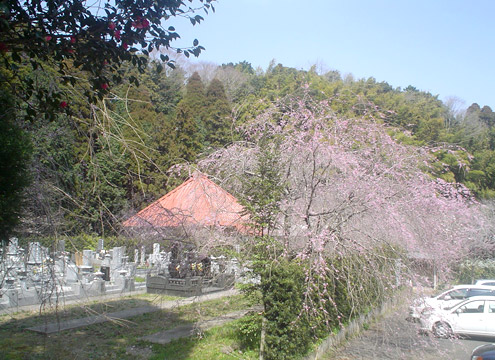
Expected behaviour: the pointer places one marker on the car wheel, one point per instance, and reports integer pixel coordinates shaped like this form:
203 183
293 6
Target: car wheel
442 330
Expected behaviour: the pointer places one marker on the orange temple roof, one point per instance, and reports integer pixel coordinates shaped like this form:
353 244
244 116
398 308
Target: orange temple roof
198 201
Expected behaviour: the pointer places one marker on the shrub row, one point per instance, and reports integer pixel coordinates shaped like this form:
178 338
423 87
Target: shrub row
302 305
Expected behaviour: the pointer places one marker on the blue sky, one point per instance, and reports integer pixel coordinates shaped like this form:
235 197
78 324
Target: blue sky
446 47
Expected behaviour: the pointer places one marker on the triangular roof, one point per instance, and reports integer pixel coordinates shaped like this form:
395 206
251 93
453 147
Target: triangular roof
198 201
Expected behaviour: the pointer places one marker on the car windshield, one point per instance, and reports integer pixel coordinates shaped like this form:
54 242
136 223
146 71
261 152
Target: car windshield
480 292
454 294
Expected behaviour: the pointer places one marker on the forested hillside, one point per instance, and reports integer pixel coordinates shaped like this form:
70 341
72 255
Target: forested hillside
95 164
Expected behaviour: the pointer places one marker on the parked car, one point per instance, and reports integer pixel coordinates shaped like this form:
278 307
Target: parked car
484 352
448 298
474 316
486 282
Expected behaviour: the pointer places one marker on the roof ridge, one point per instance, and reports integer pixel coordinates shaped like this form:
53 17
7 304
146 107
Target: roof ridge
216 200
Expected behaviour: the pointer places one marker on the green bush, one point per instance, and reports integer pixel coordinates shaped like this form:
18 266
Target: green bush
298 312
287 332
471 270
249 331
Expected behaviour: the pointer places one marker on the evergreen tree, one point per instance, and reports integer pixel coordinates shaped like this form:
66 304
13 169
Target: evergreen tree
56 173
146 121
15 150
103 190
216 115
189 125
167 89
487 116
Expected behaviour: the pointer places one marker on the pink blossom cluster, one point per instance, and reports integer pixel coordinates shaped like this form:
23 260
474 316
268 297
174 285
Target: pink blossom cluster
350 189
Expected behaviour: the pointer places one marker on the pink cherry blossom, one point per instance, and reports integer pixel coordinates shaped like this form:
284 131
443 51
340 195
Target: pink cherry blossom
349 192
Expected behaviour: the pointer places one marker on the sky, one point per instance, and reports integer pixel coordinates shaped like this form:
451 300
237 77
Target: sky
445 47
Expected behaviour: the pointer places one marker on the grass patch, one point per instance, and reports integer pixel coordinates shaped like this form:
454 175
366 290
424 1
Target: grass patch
120 339
84 308
217 343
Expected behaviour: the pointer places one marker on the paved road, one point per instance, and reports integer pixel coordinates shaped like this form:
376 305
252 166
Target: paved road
392 337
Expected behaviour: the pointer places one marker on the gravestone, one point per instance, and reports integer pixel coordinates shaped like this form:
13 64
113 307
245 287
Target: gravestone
87 258
156 253
61 246
117 255
107 260
116 263
100 246
215 266
13 247
13 260
71 273
143 255
87 261
233 267
34 253
105 273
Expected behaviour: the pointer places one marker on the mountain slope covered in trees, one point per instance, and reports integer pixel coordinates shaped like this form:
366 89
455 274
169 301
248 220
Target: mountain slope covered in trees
104 161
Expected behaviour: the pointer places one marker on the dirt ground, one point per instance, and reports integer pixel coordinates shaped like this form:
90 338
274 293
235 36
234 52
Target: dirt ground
392 337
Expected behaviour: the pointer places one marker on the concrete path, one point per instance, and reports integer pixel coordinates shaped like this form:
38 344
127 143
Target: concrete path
50 328
164 337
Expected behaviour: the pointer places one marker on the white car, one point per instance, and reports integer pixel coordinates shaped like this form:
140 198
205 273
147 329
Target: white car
448 298
474 316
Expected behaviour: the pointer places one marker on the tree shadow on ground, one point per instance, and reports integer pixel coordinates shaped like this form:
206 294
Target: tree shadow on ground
112 339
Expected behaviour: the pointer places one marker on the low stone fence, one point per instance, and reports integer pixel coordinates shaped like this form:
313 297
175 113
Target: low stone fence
353 328
189 286
18 298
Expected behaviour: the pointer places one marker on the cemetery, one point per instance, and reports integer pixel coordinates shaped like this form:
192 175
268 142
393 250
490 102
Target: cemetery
36 276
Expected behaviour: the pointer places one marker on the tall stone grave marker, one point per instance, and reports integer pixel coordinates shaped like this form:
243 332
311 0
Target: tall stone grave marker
143 255
100 246
156 253
35 256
